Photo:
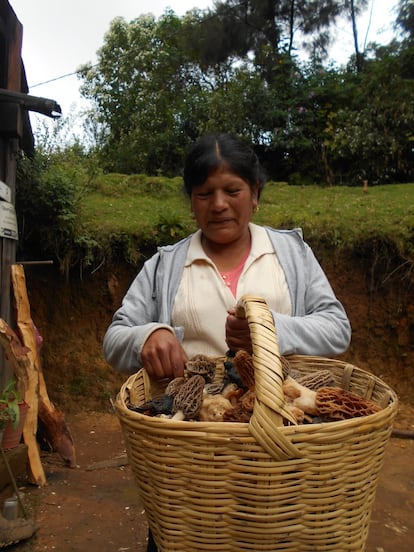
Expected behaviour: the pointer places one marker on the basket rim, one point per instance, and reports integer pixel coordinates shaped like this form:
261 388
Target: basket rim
210 427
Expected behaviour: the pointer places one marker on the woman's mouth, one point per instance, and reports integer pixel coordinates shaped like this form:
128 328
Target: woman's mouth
219 222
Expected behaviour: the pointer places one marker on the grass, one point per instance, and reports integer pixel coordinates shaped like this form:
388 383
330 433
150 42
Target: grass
154 210
133 205
343 216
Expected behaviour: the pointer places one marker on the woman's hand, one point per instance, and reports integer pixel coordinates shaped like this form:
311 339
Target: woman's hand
237 333
163 356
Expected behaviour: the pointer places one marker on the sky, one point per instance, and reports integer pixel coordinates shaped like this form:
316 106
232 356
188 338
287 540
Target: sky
59 36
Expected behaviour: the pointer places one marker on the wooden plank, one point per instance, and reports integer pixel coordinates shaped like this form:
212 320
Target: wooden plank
7 247
25 325
51 420
11 78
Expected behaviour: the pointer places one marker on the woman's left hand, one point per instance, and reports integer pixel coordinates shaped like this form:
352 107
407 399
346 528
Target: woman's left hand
237 333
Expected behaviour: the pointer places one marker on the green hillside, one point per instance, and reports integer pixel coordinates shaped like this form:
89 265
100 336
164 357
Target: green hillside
139 212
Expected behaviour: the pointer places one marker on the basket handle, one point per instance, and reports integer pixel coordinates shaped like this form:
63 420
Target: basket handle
270 406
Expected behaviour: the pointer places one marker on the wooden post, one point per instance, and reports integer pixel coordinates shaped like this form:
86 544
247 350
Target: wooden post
25 326
51 420
11 79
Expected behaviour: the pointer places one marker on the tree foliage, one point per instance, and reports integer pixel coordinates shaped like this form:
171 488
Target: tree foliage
405 17
146 89
159 83
49 190
375 133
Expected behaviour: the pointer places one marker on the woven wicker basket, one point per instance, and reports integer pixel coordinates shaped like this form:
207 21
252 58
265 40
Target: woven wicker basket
262 486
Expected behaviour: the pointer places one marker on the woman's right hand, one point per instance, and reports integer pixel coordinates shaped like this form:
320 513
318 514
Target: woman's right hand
163 356
237 333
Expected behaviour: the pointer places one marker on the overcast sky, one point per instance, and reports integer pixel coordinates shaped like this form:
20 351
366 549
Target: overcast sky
59 36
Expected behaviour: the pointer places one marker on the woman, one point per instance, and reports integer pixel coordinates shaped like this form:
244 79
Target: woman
175 304
181 303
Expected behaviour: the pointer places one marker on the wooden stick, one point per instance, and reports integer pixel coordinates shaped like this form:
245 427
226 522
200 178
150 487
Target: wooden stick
25 325
51 420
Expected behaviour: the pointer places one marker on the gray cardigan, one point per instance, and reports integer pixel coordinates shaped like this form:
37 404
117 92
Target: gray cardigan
318 325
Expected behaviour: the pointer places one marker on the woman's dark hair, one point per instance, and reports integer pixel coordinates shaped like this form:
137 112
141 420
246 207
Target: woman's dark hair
217 150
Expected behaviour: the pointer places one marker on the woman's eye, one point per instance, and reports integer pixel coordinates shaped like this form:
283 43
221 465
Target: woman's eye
230 192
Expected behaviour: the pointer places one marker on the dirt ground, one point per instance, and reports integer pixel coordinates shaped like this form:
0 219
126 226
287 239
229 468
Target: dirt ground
95 507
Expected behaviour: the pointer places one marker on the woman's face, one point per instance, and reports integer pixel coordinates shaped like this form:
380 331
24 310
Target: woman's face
223 206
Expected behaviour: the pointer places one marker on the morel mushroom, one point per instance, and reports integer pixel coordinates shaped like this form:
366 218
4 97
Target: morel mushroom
335 403
201 365
174 385
318 379
328 403
213 388
189 398
243 363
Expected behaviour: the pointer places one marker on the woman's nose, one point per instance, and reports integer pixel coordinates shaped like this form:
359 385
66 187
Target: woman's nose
219 201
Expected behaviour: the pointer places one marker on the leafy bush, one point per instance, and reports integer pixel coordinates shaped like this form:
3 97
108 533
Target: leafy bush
48 193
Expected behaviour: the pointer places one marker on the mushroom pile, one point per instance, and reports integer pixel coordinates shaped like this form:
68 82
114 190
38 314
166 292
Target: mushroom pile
206 394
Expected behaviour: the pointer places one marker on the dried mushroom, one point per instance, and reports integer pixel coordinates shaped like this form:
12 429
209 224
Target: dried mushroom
229 389
231 374
213 408
318 379
237 414
174 385
335 403
297 414
202 365
213 388
247 401
300 396
243 362
155 407
188 400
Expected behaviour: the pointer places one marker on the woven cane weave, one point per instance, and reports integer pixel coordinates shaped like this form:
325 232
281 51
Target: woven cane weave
261 486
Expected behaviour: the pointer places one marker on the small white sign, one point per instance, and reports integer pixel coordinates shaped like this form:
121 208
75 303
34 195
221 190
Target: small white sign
5 191
8 222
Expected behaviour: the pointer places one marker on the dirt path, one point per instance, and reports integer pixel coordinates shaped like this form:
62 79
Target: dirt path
95 506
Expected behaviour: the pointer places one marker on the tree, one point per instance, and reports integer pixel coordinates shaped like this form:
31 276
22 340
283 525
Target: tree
372 136
358 55
160 83
146 89
405 17
265 29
